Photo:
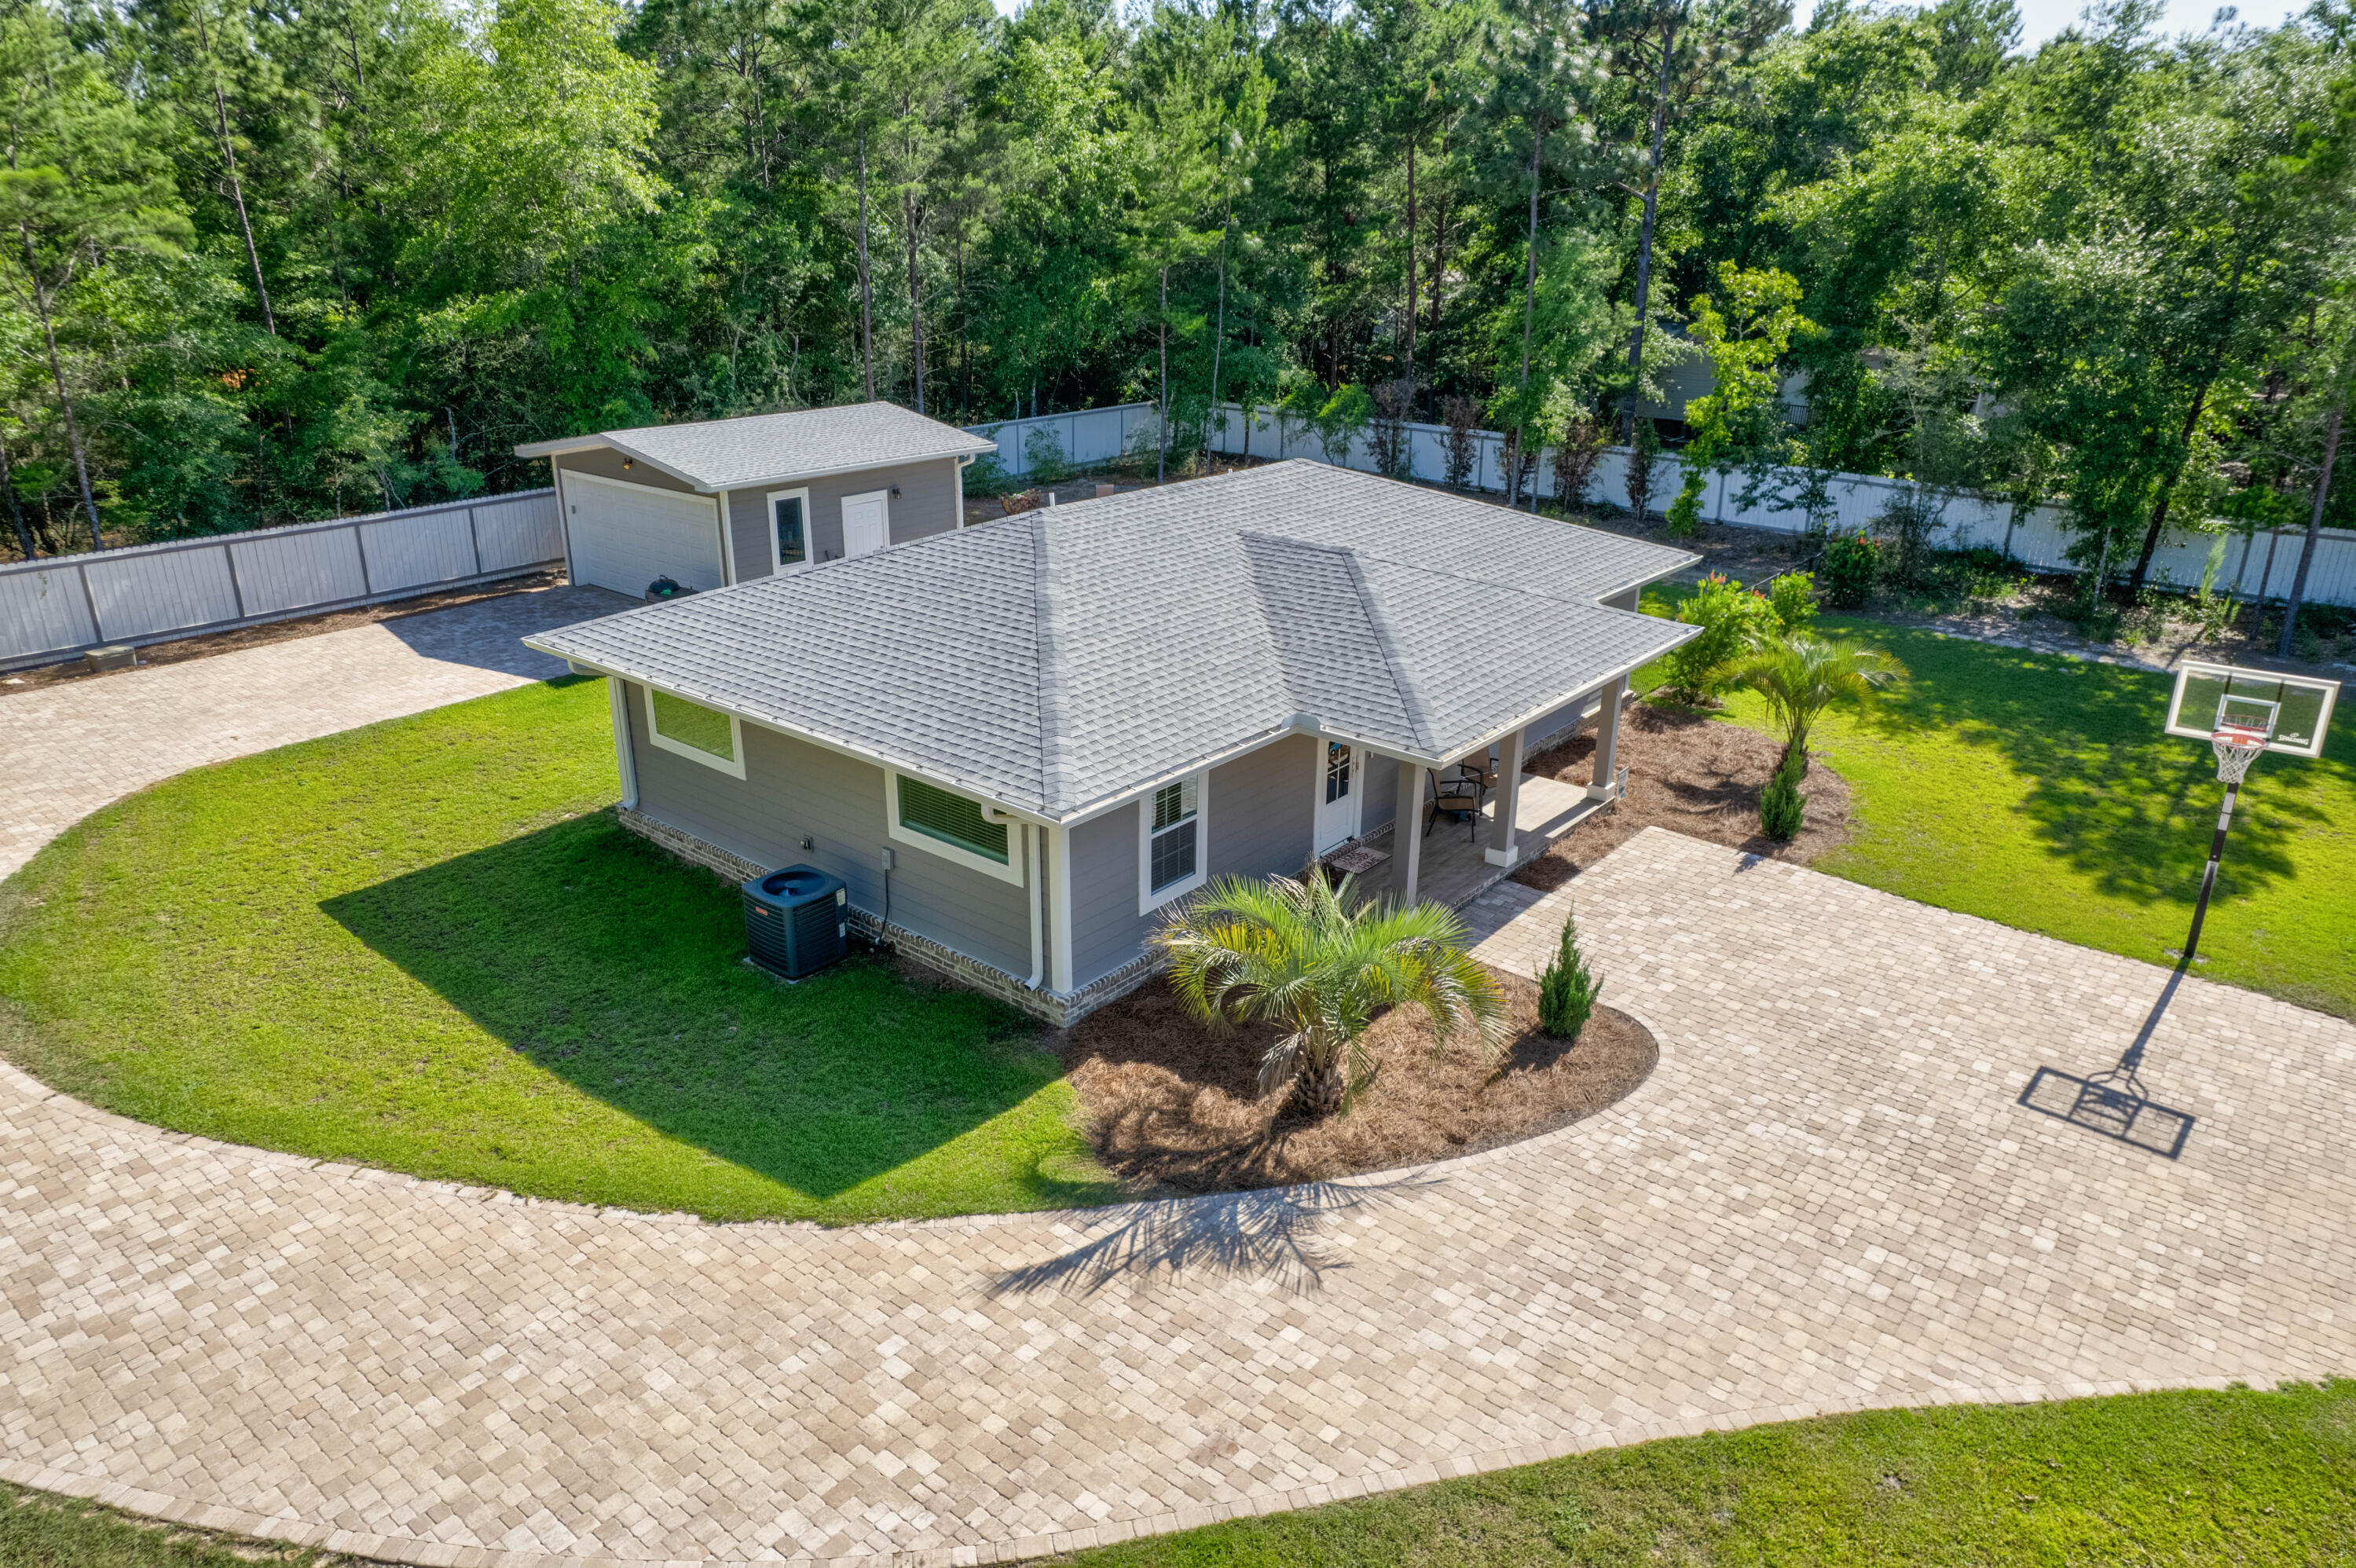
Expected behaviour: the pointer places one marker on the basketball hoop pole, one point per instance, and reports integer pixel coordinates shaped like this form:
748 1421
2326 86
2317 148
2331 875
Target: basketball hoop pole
2235 752
2209 877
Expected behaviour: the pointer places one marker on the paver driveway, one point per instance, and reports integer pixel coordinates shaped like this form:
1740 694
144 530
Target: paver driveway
68 749
1825 1198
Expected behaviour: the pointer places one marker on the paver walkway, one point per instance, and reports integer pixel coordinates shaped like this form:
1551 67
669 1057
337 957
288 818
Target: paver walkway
68 749
1825 1198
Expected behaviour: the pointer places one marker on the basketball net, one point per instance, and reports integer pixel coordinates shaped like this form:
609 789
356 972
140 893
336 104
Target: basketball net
2236 749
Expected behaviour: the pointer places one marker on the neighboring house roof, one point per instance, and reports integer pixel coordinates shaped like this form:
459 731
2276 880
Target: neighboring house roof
768 449
1059 658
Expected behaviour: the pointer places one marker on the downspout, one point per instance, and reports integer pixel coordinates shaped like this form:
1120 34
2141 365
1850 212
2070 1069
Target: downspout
1031 834
625 762
961 465
1060 959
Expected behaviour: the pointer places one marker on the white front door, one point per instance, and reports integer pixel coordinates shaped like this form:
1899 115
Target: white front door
866 523
1337 795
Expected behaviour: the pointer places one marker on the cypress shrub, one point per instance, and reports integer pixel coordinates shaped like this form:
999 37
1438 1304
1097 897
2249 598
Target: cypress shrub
1782 807
1567 989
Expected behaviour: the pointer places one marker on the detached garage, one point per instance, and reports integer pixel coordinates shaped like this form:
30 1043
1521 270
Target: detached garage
623 536
727 501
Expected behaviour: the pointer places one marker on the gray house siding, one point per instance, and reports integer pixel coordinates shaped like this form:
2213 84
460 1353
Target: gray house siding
926 504
790 788
1381 801
1259 813
606 464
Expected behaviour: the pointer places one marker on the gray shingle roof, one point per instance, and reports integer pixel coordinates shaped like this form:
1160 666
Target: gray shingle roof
728 454
1057 658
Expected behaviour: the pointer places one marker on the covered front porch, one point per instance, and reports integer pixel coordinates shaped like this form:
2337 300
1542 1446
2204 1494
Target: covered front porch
1432 852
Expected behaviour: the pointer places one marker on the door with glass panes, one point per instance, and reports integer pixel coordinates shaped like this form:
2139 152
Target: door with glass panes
1338 789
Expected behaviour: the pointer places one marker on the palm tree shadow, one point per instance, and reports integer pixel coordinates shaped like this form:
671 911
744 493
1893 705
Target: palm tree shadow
1269 1233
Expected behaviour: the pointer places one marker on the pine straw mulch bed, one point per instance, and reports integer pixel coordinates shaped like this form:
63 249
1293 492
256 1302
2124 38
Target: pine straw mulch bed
1174 1108
1692 775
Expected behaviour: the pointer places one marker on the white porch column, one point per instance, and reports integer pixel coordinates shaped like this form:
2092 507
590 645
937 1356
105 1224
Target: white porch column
1406 833
1508 800
1607 741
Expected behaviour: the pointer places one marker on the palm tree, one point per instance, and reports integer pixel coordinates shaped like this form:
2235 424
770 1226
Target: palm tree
1800 676
1308 956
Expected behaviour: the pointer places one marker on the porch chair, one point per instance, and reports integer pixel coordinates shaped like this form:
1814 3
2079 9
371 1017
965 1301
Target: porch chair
1458 798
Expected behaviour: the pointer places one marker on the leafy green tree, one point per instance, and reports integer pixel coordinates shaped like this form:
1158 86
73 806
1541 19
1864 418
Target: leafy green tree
1670 56
1543 76
1311 957
82 188
1745 343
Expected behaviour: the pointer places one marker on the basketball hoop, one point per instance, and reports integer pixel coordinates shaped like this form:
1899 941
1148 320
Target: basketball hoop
2236 747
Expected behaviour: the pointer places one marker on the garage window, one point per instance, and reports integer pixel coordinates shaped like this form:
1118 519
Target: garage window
692 730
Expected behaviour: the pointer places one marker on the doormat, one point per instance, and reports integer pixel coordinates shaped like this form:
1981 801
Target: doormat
1357 859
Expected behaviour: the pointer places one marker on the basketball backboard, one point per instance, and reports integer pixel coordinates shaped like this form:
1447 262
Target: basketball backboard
2292 711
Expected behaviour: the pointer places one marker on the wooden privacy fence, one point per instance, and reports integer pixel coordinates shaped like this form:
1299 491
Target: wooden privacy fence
51 607
2241 564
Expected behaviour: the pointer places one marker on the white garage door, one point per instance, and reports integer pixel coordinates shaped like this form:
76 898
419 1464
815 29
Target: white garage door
624 536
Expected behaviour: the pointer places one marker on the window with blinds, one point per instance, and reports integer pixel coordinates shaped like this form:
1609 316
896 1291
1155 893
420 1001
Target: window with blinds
1174 852
952 819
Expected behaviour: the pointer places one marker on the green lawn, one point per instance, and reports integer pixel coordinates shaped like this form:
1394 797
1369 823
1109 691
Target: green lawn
2180 1478
423 945
2037 791
2177 1478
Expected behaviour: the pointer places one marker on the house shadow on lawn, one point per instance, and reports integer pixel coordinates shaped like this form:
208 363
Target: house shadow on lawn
594 955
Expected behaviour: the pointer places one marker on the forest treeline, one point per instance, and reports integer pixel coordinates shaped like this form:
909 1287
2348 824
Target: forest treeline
273 259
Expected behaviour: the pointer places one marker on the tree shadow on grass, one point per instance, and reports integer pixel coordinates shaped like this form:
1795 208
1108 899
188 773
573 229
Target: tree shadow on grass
598 958
2108 794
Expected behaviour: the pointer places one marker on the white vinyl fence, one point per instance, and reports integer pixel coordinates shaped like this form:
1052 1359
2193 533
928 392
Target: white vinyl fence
53 607
1085 439
2245 564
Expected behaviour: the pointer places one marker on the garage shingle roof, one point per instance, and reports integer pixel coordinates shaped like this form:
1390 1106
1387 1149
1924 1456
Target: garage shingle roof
763 448
1057 658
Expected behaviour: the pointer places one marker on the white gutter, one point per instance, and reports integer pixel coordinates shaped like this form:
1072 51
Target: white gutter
706 488
827 742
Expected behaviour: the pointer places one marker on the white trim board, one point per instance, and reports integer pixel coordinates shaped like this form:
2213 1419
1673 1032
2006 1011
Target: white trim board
734 768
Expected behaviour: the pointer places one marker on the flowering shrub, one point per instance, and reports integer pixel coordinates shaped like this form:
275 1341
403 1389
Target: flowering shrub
1729 616
1852 567
1793 598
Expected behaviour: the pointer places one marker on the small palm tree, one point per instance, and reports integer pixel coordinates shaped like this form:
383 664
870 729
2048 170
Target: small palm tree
1800 676
1310 957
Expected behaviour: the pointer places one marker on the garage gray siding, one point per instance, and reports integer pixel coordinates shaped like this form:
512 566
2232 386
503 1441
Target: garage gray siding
1259 813
606 464
791 787
926 504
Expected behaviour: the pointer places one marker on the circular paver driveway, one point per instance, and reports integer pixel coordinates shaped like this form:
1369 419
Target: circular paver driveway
1827 1197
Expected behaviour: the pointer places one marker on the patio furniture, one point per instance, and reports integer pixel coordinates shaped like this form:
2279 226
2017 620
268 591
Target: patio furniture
1458 798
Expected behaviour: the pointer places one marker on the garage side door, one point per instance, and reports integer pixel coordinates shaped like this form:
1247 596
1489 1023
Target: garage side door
624 536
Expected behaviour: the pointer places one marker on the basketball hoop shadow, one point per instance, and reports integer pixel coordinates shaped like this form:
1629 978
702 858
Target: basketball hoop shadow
2116 1103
